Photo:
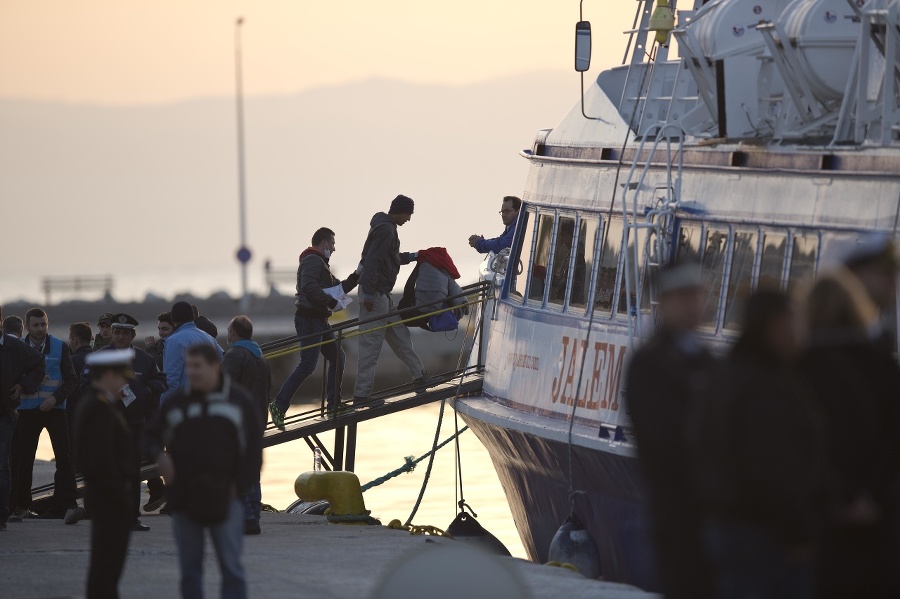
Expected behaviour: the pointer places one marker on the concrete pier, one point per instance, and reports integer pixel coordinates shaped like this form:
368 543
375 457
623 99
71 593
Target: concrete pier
296 556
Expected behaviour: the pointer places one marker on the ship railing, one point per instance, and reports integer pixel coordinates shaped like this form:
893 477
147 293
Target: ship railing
474 295
657 222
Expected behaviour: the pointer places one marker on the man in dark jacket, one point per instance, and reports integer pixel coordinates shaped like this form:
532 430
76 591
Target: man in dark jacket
21 371
210 430
139 404
165 326
203 323
247 367
314 307
381 260
80 337
45 409
663 381
104 331
105 454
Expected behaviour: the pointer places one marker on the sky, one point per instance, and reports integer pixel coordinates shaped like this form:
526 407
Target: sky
151 51
147 87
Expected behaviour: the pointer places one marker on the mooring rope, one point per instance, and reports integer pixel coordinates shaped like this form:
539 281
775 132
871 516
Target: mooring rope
410 464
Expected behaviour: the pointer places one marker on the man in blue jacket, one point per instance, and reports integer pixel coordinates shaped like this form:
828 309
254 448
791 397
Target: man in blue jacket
45 409
186 335
509 212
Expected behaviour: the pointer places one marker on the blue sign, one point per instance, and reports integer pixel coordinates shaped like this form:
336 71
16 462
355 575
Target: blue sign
243 255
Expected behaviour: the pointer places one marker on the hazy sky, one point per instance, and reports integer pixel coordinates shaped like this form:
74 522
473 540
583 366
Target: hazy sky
132 146
148 51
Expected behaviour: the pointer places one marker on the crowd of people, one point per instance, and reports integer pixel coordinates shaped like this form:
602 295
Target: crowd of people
774 471
196 410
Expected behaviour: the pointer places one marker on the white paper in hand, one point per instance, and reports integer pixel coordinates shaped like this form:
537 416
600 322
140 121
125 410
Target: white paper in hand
337 292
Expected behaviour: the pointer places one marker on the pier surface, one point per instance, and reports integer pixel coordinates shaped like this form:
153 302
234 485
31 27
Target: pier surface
296 556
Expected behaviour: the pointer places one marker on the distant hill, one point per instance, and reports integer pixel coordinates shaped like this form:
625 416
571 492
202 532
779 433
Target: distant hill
118 190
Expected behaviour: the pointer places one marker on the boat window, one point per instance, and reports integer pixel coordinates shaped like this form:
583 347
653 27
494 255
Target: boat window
713 270
519 275
635 248
803 260
688 243
772 265
584 263
609 265
562 256
741 277
541 258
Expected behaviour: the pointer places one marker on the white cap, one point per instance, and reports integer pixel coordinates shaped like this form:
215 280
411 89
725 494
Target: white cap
111 358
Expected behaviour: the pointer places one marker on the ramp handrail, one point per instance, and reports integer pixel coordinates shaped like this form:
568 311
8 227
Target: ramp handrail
288 345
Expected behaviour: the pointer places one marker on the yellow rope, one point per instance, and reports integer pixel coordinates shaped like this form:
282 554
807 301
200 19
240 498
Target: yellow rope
289 350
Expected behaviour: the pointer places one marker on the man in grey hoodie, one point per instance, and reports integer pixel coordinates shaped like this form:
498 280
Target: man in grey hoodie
381 261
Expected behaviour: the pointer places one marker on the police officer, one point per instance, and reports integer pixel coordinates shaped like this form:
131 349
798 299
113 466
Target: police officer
140 399
105 452
104 328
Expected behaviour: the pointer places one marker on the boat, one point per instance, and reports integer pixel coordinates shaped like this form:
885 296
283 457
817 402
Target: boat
764 146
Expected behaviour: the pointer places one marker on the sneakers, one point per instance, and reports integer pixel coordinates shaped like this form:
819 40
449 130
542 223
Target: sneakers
422 383
164 510
20 514
251 527
277 416
367 402
74 515
154 503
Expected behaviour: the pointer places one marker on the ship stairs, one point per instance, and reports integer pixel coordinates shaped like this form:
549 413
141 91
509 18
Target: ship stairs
648 214
309 424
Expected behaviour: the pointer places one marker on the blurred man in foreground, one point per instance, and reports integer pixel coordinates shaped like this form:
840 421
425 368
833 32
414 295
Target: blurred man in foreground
663 381
213 455
105 454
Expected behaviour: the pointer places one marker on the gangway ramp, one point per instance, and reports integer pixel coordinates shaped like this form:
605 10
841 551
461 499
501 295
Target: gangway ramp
308 425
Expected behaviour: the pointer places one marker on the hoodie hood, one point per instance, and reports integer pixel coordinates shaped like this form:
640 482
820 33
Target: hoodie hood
380 219
250 345
312 251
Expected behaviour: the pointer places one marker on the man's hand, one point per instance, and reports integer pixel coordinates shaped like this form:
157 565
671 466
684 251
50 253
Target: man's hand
166 467
368 304
48 404
150 341
15 391
474 239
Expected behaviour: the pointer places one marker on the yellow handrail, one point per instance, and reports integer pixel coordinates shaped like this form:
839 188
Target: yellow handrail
289 350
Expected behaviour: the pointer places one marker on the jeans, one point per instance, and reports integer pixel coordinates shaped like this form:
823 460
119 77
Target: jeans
749 562
252 501
228 540
28 433
6 434
373 335
309 358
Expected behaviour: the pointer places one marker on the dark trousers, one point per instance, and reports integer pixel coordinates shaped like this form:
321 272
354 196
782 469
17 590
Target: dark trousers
6 438
28 433
112 519
309 357
155 484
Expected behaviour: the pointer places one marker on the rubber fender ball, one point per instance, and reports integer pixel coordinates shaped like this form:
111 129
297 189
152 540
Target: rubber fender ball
466 528
573 544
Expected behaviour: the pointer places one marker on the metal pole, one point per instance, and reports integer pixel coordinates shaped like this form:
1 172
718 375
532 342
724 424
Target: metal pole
242 192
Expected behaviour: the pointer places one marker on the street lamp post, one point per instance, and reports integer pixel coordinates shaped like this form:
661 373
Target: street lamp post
243 253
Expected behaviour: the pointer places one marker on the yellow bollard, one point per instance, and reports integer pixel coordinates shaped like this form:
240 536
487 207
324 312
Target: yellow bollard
341 489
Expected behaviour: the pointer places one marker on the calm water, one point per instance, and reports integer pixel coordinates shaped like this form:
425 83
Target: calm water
381 447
